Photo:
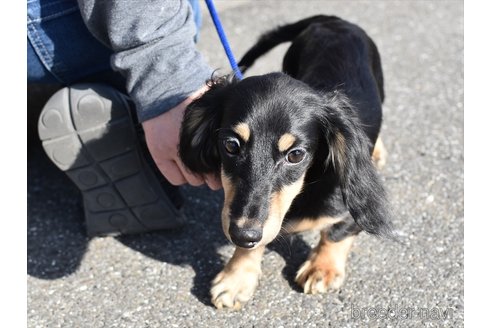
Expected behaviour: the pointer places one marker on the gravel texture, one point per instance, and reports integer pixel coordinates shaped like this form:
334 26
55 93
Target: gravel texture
161 279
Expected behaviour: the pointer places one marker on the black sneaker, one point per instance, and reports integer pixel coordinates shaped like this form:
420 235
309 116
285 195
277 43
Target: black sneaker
89 131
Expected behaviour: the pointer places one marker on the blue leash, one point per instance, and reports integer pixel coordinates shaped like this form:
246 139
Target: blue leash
223 39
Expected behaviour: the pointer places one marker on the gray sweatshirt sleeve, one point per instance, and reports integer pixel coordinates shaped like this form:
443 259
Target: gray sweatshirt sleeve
153 48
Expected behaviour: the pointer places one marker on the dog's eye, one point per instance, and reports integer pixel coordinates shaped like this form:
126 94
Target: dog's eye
232 146
295 156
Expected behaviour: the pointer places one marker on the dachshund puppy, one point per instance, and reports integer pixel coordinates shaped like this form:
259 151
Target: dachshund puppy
294 152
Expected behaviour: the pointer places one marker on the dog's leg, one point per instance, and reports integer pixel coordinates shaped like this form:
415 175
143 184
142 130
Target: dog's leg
379 154
325 267
236 283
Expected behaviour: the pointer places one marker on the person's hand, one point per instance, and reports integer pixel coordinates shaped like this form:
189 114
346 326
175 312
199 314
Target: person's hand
162 136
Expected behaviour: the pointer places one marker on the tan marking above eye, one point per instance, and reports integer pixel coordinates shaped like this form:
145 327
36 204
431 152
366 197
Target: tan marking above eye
286 141
242 130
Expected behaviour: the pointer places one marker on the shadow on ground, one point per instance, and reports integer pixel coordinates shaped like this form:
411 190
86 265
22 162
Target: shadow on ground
57 241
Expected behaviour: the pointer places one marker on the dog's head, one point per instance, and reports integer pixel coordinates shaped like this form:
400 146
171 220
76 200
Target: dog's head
262 134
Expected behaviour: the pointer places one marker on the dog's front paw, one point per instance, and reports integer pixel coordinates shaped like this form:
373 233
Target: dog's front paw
233 288
325 268
318 277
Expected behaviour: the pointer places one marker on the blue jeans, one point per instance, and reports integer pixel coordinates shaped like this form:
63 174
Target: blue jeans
60 48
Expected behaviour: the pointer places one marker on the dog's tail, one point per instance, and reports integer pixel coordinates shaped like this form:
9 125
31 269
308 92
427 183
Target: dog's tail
277 36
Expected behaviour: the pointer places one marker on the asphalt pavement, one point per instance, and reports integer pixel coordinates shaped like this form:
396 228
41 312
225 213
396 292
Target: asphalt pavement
162 279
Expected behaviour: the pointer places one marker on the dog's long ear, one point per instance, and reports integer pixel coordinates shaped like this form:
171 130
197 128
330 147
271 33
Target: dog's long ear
349 152
198 136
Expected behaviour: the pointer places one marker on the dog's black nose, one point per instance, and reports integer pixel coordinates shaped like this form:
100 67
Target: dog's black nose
246 238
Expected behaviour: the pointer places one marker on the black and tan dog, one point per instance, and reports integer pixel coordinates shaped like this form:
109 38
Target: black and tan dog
294 152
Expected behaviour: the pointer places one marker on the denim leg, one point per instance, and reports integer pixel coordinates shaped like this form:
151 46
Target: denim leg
57 36
60 48
36 71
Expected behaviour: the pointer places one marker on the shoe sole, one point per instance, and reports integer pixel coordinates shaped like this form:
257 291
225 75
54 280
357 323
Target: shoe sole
87 131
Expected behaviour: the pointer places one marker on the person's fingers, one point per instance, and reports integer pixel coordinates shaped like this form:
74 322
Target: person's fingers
171 172
213 181
162 137
192 179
